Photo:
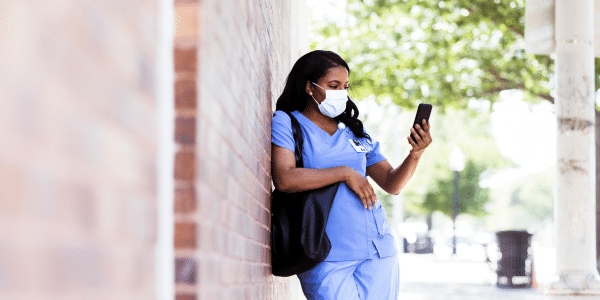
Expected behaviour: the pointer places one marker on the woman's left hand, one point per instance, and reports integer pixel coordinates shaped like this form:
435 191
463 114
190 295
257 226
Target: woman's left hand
422 136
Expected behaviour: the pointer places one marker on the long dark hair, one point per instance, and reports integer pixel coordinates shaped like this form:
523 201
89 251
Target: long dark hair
311 67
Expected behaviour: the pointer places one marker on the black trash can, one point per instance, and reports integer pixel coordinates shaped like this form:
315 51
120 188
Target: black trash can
514 266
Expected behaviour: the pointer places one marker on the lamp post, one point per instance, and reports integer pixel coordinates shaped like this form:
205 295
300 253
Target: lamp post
457 164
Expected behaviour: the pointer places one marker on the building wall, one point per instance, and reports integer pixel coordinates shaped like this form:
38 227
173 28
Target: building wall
231 61
77 149
79 123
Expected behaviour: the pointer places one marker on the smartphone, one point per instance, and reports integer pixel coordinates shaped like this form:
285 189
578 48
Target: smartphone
423 113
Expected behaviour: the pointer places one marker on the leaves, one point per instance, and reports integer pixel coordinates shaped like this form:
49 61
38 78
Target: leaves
472 198
431 189
439 52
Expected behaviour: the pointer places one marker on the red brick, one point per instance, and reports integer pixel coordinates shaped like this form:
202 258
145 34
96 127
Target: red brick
230 100
185 235
185 130
77 174
185 166
185 94
185 199
186 271
186 297
186 60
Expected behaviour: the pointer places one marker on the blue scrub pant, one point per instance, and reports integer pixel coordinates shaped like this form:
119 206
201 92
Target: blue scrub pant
371 279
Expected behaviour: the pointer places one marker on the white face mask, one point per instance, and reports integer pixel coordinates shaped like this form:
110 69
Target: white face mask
334 103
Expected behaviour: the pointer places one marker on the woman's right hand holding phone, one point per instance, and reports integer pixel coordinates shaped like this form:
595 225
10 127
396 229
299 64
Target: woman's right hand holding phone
422 136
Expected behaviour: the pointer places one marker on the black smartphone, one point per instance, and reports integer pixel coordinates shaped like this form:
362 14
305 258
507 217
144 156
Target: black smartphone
423 113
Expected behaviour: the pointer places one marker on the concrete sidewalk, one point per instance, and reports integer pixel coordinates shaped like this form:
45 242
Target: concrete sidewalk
462 291
431 277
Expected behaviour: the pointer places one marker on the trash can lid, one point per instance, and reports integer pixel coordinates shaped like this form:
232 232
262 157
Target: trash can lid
513 233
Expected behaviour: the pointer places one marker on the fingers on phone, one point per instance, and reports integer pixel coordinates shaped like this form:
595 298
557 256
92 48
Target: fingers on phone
418 134
411 141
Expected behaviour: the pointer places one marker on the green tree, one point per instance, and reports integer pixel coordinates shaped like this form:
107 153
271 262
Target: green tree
472 198
436 180
434 175
446 52
439 52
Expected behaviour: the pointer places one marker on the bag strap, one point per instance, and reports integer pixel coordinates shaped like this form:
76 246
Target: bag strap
298 140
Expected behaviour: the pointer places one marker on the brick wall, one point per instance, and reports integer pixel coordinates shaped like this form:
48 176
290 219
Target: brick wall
77 149
231 60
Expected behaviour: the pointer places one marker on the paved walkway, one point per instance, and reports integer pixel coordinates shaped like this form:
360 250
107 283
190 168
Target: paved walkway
458 291
430 277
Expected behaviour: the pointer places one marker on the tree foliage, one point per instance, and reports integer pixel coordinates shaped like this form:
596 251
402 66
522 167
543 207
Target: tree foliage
439 52
447 53
431 189
472 198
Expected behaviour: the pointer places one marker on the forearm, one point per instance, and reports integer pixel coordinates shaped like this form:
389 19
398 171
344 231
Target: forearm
393 180
399 177
303 179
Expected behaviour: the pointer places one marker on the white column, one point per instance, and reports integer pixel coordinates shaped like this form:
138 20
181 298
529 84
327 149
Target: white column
165 253
299 30
575 182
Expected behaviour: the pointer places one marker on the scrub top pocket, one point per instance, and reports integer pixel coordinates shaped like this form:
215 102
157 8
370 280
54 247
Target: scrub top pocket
383 226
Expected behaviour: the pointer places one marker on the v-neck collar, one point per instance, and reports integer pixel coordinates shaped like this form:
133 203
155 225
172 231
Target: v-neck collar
317 126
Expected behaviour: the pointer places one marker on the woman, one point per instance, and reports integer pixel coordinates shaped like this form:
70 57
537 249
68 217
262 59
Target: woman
362 263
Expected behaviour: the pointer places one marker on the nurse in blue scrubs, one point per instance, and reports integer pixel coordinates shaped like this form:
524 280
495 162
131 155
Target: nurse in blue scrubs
362 263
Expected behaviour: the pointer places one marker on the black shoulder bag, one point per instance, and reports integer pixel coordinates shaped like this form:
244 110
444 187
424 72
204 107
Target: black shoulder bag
298 220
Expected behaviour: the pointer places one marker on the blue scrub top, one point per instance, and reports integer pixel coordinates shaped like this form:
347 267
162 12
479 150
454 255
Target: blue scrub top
355 233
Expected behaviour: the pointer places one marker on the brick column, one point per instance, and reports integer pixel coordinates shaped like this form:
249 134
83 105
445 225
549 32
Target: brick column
186 65
231 60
